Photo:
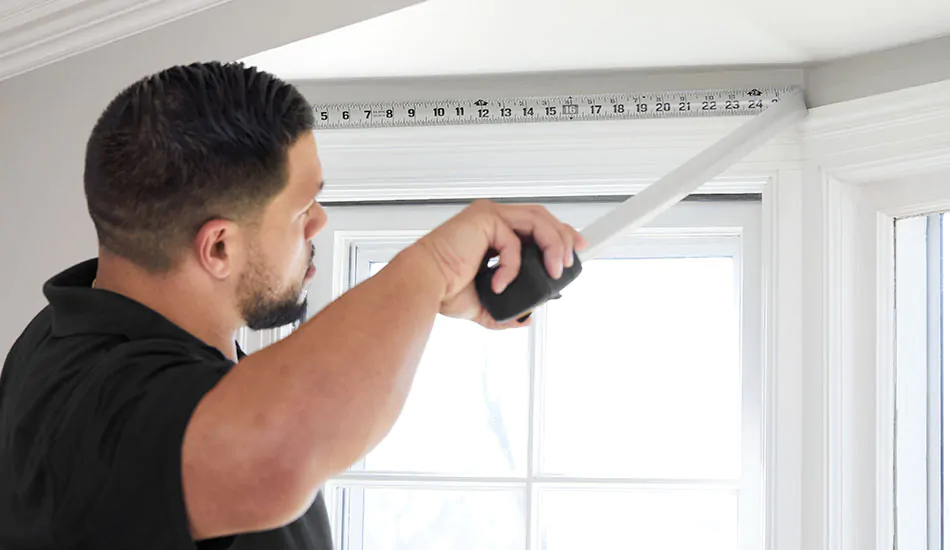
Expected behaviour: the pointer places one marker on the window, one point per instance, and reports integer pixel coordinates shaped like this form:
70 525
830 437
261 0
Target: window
922 244
629 414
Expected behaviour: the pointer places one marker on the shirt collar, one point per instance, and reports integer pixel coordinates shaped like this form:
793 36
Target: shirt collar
80 309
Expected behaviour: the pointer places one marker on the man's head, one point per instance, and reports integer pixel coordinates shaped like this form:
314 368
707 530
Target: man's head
211 170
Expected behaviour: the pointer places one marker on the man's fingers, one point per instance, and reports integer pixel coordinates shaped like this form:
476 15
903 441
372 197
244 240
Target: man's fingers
517 323
508 245
540 224
568 237
580 243
503 227
561 253
486 320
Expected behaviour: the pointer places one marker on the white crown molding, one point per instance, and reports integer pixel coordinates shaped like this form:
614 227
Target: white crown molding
887 136
531 160
35 34
18 13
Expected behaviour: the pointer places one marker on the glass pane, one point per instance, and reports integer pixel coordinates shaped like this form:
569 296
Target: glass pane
417 519
654 520
467 412
945 380
642 371
910 398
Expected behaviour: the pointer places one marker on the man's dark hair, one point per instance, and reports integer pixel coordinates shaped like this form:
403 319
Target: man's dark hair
184 146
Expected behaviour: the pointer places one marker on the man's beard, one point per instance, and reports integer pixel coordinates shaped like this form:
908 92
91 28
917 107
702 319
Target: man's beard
261 305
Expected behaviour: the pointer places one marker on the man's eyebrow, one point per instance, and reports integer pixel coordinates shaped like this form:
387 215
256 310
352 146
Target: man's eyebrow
320 186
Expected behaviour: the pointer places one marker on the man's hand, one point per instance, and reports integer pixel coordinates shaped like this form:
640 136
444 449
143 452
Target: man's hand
459 245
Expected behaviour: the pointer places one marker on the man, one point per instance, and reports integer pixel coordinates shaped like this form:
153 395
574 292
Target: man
129 418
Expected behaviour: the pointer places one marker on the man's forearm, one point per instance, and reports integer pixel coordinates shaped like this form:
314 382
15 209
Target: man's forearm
331 391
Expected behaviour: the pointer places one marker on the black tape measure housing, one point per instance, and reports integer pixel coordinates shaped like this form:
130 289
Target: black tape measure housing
532 287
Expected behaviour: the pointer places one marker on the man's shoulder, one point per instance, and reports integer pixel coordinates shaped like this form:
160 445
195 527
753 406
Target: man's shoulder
28 344
37 330
44 368
37 346
76 412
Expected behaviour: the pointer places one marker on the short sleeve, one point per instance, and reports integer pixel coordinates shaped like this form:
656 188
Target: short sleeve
118 461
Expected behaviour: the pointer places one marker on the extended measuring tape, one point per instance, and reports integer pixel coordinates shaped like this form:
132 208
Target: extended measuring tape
622 106
772 110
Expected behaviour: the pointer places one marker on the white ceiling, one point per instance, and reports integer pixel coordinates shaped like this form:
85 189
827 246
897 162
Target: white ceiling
453 37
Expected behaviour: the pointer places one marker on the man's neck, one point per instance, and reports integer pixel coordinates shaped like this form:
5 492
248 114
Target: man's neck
183 302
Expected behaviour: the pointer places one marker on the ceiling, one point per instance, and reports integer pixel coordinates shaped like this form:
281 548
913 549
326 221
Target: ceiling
476 37
454 37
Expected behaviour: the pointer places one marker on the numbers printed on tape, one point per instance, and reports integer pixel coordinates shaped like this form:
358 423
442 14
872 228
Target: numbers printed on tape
736 102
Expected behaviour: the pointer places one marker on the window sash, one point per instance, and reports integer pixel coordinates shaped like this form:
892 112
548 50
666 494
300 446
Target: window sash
361 235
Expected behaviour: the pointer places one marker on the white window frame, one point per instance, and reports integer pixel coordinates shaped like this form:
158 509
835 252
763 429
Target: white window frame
356 235
857 335
870 162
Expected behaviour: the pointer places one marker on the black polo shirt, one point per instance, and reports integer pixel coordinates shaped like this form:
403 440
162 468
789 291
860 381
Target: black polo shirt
95 396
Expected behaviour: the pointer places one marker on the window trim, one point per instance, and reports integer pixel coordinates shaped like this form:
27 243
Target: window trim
869 162
857 315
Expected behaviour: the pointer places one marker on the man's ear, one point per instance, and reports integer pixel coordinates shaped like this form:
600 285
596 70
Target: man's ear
217 248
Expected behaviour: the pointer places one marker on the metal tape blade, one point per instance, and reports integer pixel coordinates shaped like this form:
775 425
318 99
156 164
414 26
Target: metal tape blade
643 207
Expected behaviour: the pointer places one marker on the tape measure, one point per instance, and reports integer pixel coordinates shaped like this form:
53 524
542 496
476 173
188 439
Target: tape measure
533 286
622 106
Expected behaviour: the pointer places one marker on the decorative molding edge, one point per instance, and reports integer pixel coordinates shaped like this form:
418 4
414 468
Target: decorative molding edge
835 303
881 137
55 30
22 12
782 333
528 160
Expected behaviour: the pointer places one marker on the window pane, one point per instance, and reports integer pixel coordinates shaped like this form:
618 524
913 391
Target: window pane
421 519
642 371
654 520
945 380
467 412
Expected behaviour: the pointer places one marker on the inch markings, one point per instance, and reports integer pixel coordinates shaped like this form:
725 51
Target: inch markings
681 104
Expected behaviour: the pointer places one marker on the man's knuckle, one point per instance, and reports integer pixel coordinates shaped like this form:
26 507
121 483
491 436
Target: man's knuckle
482 204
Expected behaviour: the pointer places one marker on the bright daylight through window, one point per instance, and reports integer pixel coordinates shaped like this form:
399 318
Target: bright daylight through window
630 411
